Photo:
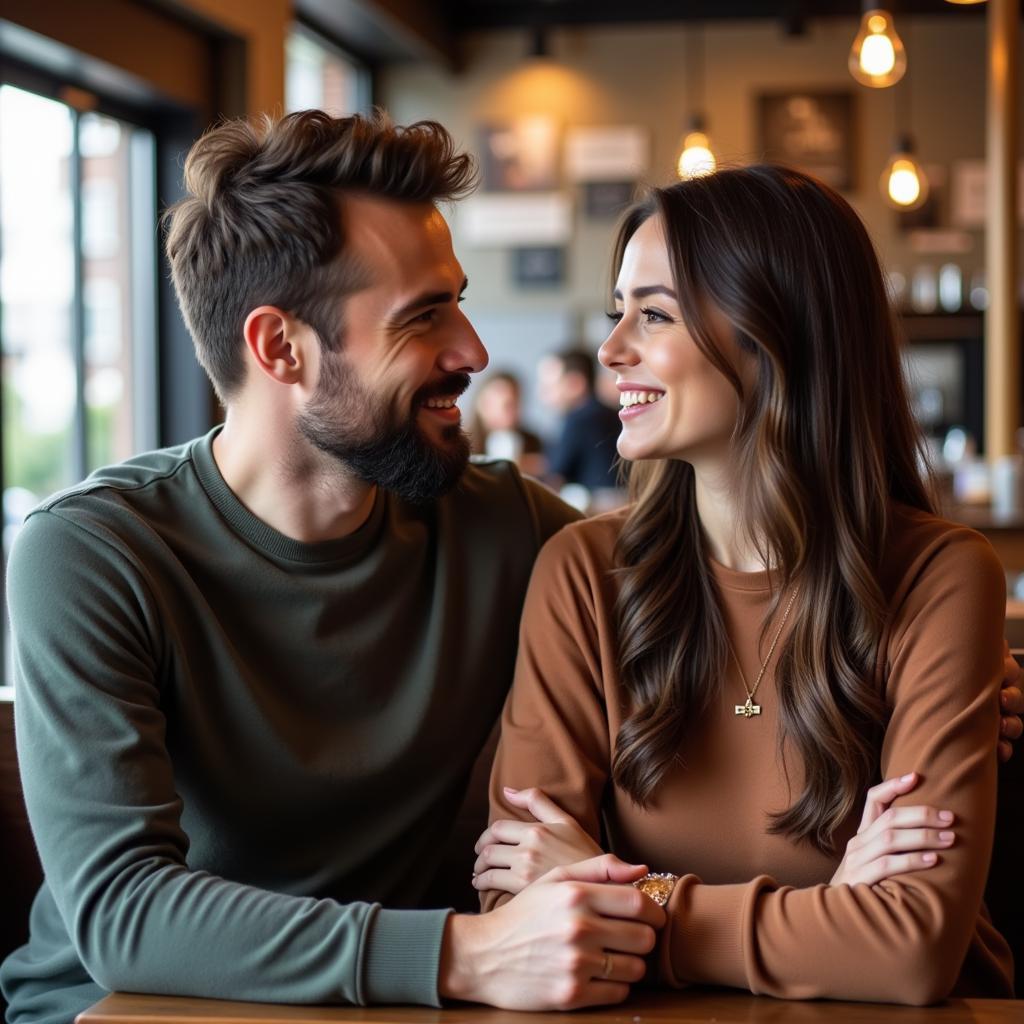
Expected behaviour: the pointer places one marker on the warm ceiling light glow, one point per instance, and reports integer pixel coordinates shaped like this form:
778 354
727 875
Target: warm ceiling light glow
965 3
696 159
877 57
904 183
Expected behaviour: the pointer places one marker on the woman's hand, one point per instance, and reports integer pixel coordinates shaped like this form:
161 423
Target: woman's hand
893 840
1011 705
512 854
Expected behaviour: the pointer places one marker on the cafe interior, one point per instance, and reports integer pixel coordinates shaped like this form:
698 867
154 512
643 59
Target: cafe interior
912 109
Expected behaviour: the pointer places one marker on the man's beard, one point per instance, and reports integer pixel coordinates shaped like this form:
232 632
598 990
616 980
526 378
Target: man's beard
350 424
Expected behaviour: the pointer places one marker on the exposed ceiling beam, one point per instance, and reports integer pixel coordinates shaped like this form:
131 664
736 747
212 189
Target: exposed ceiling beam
484 14
385 30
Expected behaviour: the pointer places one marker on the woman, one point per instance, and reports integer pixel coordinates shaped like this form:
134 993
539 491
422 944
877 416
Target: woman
495 427
712 680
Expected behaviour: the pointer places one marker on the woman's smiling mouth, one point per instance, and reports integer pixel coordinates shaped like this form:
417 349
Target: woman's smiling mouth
636 400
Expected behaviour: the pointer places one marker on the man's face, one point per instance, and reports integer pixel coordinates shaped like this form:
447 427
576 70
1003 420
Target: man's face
385 403
549 383
558 388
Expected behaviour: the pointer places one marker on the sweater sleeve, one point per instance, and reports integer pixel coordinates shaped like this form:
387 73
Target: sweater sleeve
554 729
100 791
903 940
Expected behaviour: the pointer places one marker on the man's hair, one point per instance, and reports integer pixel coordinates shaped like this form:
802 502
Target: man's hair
503 377
579 360
262 222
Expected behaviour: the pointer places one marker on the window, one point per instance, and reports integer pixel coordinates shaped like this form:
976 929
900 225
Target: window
77 294
320 75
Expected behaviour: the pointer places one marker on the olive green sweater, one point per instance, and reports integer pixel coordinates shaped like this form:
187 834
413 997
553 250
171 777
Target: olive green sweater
236 747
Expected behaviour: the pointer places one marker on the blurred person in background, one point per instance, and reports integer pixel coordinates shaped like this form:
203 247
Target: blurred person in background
496 429
583 452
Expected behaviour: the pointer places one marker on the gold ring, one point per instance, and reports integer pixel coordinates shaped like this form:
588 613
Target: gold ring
606 969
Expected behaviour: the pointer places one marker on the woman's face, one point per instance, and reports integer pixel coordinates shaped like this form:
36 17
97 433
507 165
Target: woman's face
498 405
674 404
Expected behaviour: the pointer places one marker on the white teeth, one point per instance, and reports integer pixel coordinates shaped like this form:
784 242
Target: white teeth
440 403
631 398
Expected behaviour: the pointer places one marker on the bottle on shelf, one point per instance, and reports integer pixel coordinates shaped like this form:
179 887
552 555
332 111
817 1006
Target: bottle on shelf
951 288
924 289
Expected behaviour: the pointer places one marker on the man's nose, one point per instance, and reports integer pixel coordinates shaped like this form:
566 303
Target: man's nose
465 352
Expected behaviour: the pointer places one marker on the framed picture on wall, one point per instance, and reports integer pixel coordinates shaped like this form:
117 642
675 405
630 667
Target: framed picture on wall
812 131
607 153
603 199
538 266
520 155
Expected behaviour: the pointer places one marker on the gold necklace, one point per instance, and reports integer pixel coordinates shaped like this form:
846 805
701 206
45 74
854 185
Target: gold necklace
750 709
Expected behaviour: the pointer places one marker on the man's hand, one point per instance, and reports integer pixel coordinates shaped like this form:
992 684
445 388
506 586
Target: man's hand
512 854
1011 707
569 940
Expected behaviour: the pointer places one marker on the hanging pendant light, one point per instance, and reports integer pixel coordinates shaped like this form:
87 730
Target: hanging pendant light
877 57
904 183
695 157
539 47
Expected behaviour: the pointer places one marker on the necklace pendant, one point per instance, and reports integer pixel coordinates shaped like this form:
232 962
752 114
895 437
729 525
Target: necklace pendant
749 709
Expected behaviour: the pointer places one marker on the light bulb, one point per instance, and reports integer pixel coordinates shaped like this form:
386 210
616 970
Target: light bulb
696 159
904 183
877 57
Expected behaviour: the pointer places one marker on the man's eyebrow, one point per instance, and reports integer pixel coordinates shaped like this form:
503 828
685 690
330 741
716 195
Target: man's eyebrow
645 292
427 299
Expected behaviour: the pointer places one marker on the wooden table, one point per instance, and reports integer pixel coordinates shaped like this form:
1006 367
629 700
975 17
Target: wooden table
686 1007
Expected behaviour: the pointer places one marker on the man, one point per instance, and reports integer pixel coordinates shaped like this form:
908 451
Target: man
584 451
253 671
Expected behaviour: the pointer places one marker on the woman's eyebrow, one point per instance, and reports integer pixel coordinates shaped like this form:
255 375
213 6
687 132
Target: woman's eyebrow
648 290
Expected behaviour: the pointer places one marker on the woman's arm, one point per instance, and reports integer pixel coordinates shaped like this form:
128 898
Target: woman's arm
554 729
890 840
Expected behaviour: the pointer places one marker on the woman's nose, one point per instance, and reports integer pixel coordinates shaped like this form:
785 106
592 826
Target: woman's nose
616 350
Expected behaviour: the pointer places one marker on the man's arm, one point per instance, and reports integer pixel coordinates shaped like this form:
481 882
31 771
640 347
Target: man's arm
89 649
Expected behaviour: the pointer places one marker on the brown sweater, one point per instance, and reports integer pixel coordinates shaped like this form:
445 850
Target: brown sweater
754 910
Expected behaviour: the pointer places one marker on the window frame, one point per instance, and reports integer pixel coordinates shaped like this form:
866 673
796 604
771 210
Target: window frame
366 89
147 323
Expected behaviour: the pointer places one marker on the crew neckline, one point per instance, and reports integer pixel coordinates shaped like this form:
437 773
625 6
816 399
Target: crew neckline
736 579
263 536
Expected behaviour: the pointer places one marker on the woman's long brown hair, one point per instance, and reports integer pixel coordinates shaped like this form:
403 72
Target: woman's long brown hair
825 442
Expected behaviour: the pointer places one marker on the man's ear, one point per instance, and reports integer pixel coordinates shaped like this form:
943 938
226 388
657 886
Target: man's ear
278 344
